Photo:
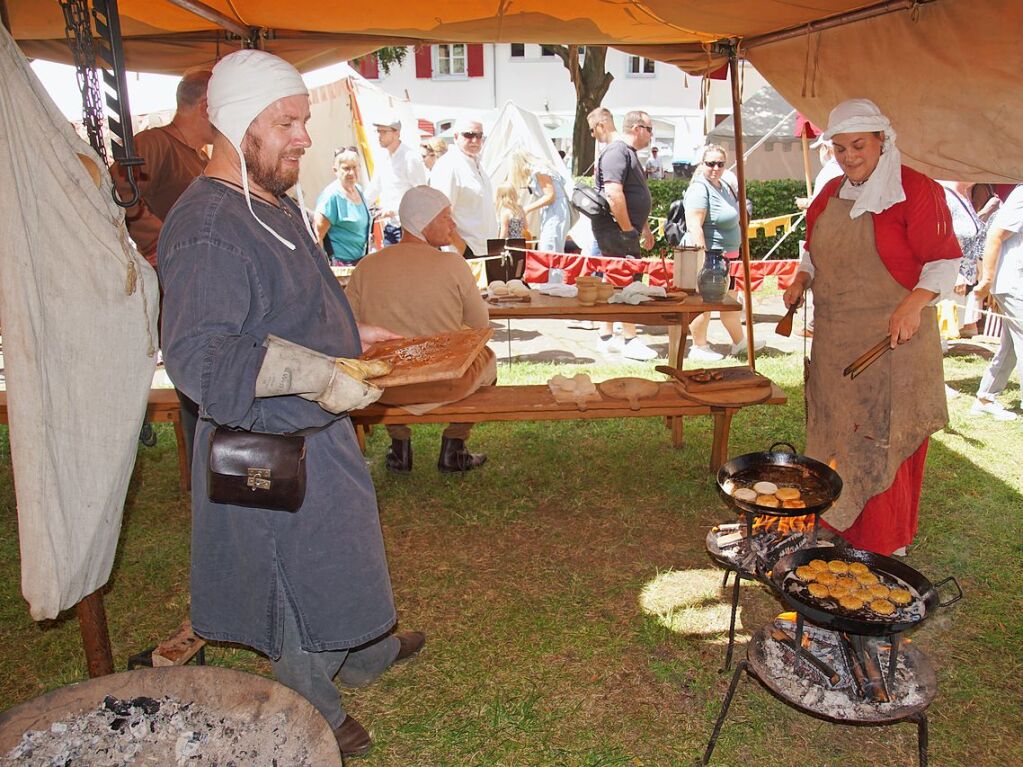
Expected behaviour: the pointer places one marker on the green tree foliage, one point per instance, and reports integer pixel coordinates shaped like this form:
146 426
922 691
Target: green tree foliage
387 58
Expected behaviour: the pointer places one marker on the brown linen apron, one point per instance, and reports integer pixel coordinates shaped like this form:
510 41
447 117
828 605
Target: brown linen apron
870 425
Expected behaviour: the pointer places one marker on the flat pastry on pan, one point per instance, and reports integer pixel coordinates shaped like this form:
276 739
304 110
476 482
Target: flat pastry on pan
851 602
900 596
787 493
882 606
805 573
818 590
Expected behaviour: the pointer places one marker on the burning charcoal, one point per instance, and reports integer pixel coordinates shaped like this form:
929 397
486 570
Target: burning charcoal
148 705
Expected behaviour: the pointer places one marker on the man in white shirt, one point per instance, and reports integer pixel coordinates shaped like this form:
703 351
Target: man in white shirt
460 175
653 168
404 170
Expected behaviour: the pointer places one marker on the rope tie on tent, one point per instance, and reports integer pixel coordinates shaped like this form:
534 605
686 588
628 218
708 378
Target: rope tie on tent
131 283
811 38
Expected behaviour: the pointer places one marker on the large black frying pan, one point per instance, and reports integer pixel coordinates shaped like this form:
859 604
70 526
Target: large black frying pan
827 613
819 484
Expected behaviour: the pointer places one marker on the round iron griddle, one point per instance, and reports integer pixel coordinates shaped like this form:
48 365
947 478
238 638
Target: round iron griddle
819 484
828 614
915 661
224 691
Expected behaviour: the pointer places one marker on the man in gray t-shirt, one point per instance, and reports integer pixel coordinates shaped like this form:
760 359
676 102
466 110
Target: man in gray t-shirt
621 177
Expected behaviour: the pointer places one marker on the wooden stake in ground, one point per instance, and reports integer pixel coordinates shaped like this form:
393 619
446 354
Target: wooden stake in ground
92 622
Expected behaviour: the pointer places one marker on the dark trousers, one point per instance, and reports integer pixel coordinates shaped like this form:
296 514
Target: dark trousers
612 241
189 419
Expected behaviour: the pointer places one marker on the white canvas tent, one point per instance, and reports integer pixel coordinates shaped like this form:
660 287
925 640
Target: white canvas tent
333 125
766 114
519 129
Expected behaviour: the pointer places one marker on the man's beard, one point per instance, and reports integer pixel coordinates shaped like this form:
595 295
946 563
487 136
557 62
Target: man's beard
266 172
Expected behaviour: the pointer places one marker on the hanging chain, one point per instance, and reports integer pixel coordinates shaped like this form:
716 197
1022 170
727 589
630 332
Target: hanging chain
78 32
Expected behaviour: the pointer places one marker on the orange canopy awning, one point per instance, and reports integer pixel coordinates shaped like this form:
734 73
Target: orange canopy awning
945 71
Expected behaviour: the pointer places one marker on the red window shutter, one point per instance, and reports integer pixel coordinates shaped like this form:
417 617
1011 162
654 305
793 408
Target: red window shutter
474 54
424 62
369 67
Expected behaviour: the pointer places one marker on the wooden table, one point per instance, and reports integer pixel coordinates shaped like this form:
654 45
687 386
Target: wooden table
675 313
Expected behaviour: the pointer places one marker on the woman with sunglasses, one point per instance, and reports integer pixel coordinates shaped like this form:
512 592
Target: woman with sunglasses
712 219
342 214
882 250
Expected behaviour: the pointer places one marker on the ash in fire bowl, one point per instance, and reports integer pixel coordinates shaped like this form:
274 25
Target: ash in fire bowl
863 604
164 732
806 687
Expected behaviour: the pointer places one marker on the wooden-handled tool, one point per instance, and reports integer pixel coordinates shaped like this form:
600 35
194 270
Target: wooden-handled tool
784 326
869 357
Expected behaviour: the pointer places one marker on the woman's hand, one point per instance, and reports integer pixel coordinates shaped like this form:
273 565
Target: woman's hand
905 320
794 293
960 287
373 334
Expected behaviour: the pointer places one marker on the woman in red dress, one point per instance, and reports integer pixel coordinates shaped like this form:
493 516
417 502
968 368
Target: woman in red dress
881 251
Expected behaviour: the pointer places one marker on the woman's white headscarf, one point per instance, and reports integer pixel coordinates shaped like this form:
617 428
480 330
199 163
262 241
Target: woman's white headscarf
243 84
884 187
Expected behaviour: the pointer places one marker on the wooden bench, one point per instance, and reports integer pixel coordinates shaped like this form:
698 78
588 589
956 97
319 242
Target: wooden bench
536 403
163 407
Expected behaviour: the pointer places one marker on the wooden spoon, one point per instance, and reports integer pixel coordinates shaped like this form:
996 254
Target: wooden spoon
784 326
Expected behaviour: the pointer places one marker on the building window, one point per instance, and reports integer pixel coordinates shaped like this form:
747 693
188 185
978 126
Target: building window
547 50
518 50
450 60
640 67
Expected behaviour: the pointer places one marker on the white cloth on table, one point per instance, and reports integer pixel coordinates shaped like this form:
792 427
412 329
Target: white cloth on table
636 293
557 289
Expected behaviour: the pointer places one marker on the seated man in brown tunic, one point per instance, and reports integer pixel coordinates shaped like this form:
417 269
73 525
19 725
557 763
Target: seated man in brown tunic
415 289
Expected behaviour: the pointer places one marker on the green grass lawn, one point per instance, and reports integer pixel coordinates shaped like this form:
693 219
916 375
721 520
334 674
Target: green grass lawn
573 615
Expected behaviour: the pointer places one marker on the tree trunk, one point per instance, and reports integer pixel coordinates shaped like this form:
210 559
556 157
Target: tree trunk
591 83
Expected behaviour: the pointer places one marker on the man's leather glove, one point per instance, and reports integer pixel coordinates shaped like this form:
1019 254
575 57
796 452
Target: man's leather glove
337 384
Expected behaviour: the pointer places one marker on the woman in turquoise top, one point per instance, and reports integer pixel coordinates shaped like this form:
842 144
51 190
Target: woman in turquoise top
341 212
712 223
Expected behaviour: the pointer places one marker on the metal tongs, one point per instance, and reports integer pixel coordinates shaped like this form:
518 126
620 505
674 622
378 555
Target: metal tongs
869 357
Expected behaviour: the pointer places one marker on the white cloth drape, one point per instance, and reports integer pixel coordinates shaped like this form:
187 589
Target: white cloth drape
78 307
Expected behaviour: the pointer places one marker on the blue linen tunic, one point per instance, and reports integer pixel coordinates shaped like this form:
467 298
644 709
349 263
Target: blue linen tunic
228 283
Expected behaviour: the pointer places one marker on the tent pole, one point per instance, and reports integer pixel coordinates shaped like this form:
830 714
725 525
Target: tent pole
873 11
212 15
740 173
92 622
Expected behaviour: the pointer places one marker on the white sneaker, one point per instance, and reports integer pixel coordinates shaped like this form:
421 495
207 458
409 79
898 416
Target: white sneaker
993 409
740 348
704 354
613 345
635 349
581 324
950 393
900 552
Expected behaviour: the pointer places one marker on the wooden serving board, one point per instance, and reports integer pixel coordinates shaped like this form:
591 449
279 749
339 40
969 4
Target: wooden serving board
629 388
507 299
720 379
428 358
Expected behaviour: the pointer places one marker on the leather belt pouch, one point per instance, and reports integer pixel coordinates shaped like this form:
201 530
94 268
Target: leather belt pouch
263 471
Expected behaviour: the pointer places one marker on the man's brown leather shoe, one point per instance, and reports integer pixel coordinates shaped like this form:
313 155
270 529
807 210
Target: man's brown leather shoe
352 738
411 643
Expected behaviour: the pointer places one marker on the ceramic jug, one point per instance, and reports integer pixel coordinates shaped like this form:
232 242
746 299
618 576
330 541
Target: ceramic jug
712 280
